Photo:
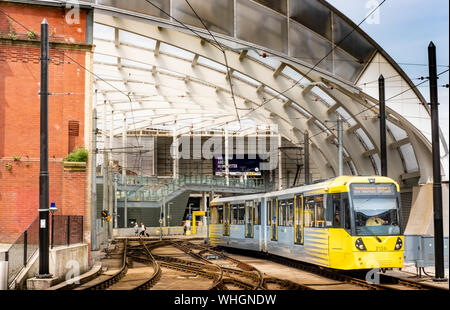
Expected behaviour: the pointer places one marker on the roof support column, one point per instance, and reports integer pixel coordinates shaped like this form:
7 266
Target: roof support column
111 174
280 167
175 151
306 159
124 170
227 155
341 145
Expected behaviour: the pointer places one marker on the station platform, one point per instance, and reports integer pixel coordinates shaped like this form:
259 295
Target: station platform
411 273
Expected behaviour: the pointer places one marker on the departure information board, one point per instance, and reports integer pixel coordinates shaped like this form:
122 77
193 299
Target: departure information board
373 189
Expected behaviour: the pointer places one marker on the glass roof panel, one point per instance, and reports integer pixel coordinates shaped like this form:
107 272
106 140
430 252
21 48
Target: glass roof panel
409 158
136 40
313 15
277 5
103 32
310 47
323 95
260 25
396 131
346 66
218 15
175 51
295 76
104 59
246 78
377 161
301 110
211 64
346 116
169 72
134 64
272 62
321 126
365 139
355 43
140 6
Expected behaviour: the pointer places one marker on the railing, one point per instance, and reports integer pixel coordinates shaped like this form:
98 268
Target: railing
154 189
20 252
66 230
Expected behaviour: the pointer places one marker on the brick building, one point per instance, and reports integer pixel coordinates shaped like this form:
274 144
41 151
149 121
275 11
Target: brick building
20 111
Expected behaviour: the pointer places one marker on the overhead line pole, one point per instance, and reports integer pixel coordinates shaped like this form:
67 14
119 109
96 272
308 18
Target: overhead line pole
44 182
437 186
382 102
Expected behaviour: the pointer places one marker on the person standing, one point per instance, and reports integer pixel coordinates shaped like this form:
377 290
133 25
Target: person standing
136 229
143 229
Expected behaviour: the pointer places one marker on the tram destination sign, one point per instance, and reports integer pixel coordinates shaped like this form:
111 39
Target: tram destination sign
372 189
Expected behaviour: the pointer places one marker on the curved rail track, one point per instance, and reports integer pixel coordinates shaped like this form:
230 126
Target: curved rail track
216 265
386 282
201 261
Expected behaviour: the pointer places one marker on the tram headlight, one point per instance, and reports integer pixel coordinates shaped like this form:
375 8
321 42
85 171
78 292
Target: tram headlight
360 245
399 244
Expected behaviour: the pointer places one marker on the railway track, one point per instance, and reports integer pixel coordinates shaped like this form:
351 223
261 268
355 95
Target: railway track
137 265
386 282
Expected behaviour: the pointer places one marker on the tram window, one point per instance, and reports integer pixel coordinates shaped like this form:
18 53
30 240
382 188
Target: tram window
234 214
220 215
269 213
281 215
319 212
347 224
257 213
241 214
290 213
333 211
309 212
214 215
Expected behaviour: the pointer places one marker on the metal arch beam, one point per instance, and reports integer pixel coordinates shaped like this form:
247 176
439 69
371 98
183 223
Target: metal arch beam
285 132
209 52
353 107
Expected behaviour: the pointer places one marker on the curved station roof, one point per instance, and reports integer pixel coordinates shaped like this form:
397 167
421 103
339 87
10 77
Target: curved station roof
256 65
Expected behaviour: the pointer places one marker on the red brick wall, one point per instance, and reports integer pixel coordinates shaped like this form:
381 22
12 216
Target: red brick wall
20 115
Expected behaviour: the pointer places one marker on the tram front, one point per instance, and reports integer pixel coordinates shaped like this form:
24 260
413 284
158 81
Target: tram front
377 240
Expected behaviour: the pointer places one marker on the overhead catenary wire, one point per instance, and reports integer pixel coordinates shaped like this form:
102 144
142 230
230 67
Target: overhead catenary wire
226 61
352 116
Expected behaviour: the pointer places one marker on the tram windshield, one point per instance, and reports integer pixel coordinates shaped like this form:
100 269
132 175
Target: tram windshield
376 209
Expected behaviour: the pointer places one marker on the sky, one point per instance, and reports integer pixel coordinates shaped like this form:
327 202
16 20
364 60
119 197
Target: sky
404 29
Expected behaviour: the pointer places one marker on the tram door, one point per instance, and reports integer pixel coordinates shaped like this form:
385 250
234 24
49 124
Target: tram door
274 220
226 219
249 216
298 219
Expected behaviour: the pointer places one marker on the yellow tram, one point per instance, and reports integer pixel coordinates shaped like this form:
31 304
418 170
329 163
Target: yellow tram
347 223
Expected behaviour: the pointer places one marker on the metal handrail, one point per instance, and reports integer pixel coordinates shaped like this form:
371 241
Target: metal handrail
155 193
16 266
